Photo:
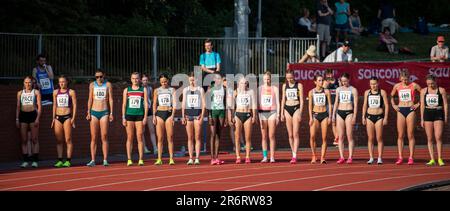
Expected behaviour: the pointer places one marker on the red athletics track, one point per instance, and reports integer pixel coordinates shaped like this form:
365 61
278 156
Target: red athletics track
230 176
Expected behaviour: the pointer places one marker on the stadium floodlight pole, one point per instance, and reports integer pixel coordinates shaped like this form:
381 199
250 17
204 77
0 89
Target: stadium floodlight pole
259 24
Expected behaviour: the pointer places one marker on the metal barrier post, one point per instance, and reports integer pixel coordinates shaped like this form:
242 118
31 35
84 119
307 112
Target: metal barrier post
98 52
39 44
155 57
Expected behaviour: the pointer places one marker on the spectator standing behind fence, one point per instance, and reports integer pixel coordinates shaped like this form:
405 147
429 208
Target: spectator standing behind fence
306 25
387 41
43 74
342 54
324 14
210 60
386 13
439 52
342 13
354 20
310 56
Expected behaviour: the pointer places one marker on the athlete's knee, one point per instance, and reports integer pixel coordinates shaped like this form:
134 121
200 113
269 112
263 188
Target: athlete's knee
34 140
104 137
379 139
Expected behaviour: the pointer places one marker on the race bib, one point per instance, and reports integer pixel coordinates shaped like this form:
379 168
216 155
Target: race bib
319 99
62 100
345 96
218 99
243 100
405 95
27 99
99 93
266 100
164 100
432 99
134 102
291 94
45 83
374 101
193 101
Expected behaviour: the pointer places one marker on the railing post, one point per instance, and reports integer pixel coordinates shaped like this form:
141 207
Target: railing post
98 52
265 55
155 57
318 45
39 44
290 49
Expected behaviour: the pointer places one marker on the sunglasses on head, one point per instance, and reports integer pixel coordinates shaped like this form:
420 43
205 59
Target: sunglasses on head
98 76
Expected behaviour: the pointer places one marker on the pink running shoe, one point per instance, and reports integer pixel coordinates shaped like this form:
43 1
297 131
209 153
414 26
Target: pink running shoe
238 161
349 161
341 161
219 162
213 162
399 161
293 161
410 161
247 160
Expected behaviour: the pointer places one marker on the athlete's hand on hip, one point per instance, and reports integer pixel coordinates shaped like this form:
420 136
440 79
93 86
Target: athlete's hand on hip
124 122
364 121
183 121
173 121
154 120
354 120
111 117
88 117
282 118
311 122
329 121
385 121
253 120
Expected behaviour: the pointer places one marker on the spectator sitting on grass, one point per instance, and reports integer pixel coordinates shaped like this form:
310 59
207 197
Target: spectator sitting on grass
342 54
307 24
310 56
386 13
439 52
356 27
387 41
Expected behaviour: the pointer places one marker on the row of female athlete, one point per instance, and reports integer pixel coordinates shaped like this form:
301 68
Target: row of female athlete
330 101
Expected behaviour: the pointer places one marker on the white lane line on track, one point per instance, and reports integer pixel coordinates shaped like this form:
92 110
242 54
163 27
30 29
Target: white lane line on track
321 176
259 174
182 175
97 177
380 179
